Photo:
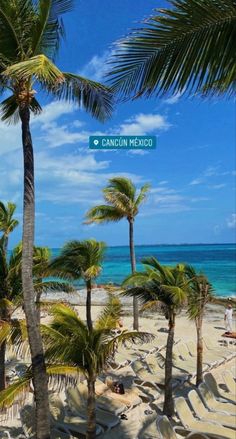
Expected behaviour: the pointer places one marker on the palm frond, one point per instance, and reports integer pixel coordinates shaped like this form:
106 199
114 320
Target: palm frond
188 48
9 109
123 185
49 27
14 391
110 315
103 214
38 67
94 97
142 195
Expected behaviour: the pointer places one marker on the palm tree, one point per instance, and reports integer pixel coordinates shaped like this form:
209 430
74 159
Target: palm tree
7 224
71 348
80 260
168 286
31 32
123 201
11 294
199 295
187 48
7 221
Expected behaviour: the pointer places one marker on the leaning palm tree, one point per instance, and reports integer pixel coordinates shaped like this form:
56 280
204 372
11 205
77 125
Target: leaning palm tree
167 286
199 295
123 201
31 33
80 260
187 48
71 348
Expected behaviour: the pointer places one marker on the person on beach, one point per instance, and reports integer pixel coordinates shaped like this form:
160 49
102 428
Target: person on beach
229 319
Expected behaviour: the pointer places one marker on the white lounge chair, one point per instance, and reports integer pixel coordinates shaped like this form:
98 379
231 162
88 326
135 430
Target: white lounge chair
229 382
205 415
191 423
166 431
74 424
211 402
211 382
77 402
27 416
210 358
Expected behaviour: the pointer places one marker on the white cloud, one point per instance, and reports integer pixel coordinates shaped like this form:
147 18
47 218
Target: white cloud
143 124
208 173
217 186
231 222
96 68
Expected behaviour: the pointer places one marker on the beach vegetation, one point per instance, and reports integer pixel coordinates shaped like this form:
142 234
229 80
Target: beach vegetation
167 286
200 294
80 260
187 48
12 330
123 201
72 349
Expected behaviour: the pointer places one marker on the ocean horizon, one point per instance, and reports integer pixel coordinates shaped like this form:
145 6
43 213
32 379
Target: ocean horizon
216 261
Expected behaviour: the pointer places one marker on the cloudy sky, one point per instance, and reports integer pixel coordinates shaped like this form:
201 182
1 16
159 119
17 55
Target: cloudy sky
192 171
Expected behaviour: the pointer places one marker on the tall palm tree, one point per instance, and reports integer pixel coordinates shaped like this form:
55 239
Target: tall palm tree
189 47
80 260
122 201
11 294
168 286
31 31
72 348
199 295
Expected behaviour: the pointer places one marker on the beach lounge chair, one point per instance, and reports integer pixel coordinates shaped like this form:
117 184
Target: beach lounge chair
210 358
211 382
77 401
190 358
224 352
144 377
205 415
167 431
229 382
211 402
74 424
191 423
27 416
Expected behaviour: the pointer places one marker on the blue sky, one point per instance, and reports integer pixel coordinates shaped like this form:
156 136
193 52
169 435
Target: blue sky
192 171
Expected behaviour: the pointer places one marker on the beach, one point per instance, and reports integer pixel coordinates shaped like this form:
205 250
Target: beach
141 423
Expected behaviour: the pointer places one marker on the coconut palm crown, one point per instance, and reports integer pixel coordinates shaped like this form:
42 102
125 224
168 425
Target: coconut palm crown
122 201
80 260
186 48
169 287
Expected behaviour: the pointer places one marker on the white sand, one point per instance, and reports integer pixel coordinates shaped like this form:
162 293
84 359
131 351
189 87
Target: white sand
140 425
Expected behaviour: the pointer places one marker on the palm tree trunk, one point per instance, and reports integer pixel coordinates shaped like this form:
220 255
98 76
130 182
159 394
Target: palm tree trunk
33 329
168 408
133 268
2 366
91 430
88 305
199 377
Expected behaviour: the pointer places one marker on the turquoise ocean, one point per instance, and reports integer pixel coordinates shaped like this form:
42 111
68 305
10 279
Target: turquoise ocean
217 261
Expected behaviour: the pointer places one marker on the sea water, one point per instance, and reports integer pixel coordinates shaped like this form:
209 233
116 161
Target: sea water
216 261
